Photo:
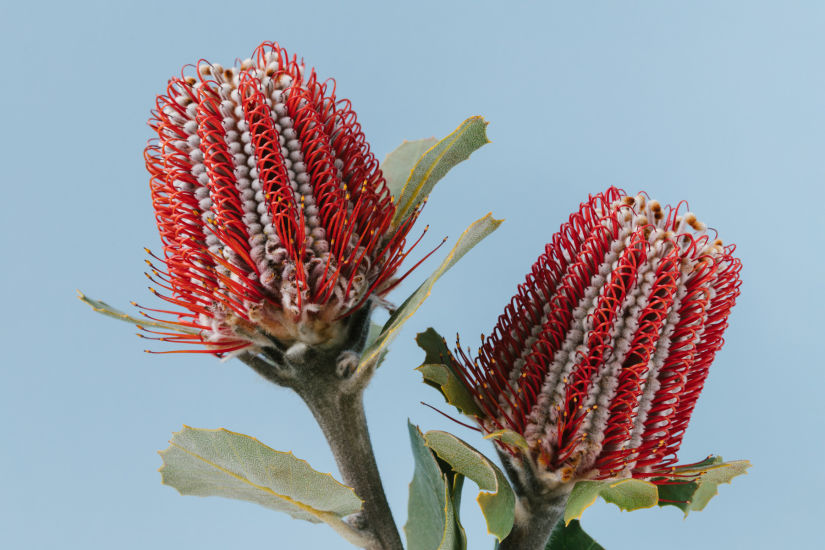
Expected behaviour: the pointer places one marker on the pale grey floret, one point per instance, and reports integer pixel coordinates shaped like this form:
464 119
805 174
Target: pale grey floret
651 383
551 393
573 342
190 127
604 386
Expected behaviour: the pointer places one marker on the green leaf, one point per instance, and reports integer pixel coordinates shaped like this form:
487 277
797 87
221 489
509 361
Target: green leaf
372 337
627 494
438 372
571 537
509 437
471 236
693 485
232 465
373 333
679 494
439 160
431 522
496 498
398 165
688 487
105 309
456 482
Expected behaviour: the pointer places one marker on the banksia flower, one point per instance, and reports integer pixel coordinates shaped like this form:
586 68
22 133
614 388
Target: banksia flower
275 218
599 358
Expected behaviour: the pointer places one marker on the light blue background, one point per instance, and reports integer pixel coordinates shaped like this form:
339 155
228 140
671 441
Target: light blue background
720 105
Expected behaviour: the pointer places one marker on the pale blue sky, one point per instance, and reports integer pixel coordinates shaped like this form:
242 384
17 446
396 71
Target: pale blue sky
722 105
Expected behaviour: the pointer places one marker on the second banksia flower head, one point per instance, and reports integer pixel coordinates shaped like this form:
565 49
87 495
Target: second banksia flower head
275 218
600 356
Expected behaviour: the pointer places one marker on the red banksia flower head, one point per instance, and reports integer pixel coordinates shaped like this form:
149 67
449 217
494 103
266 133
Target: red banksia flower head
599 358
275 218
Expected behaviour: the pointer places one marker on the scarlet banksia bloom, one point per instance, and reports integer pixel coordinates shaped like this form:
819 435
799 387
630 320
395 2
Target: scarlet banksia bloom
275 219
599 358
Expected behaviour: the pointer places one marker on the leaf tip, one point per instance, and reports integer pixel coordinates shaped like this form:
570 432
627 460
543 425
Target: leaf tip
424 333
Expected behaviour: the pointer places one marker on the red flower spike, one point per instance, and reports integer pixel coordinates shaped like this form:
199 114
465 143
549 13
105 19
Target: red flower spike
274 216
599 358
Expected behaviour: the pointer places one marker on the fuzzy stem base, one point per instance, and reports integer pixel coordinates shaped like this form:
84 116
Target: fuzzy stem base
535 519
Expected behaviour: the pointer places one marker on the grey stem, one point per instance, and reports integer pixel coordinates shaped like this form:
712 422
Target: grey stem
265 368
331 382
535 519
341 417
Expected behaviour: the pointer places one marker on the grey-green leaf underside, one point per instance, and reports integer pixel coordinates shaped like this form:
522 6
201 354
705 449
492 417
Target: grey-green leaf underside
431 521
105 309
436 162
232 465
496 498
477 231
399 164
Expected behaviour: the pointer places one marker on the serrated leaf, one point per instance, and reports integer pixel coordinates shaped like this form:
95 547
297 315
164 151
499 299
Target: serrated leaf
431 523
627 494
471 236
496 499
631 494
571 537
438 372
232 465
693 485
439 160
105 309
723 473
678 494
509 437
398 165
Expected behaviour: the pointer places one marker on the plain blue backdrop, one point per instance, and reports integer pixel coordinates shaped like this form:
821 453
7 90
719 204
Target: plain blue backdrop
722 105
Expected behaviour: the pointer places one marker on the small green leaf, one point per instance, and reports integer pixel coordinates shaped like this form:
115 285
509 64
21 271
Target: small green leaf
438 372
105 309
471 236
439 160
678 494
456 484
398 165
693 485
431 522
496 498
722 473
631 494
509 437
627 494
232 465
372 337
571 537
372 334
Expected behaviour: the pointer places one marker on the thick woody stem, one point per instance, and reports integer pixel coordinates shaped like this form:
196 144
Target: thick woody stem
341 418
331 382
